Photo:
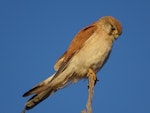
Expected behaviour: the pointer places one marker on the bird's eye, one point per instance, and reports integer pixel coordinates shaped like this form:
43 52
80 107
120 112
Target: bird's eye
112 28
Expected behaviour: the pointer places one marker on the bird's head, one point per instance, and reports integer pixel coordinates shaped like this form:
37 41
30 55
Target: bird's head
111 25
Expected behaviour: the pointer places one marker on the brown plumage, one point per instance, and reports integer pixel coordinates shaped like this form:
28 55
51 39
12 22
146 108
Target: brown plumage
89 49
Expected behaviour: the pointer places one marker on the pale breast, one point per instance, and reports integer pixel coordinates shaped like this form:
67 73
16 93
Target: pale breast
92 55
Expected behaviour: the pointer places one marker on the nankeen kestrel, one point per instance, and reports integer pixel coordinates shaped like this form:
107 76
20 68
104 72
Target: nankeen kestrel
87 52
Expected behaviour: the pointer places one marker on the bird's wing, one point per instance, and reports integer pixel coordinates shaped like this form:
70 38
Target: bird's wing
76 44
63 61
38 87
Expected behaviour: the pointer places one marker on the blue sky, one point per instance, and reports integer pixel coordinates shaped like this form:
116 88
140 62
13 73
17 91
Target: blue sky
33 34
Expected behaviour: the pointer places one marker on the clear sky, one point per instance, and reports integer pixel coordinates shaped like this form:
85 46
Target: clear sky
34 33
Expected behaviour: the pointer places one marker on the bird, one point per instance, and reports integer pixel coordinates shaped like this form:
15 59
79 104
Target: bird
88 52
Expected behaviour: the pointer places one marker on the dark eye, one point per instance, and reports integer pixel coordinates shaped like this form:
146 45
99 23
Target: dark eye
112 28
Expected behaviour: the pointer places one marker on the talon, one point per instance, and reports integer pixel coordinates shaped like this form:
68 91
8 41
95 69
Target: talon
92 74
96 81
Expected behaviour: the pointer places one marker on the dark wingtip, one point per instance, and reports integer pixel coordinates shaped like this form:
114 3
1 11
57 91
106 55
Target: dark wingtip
32 91
26 94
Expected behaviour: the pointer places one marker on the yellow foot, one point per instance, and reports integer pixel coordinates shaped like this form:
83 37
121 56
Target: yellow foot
91 74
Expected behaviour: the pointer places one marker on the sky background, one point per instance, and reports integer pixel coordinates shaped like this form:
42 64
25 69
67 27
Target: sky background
34 33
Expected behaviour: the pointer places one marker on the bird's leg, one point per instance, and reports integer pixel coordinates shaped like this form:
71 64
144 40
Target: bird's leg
92 80
92 76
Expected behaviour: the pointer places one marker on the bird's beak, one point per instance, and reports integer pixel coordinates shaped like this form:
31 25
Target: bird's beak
116 37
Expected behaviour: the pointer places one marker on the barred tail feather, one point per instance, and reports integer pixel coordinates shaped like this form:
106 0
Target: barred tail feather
36 99
47 88
39 87
40 93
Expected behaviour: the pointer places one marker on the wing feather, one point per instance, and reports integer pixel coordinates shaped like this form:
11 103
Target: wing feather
76 44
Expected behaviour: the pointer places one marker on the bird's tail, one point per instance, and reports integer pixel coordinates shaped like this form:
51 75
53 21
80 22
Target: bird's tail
47 88
41 92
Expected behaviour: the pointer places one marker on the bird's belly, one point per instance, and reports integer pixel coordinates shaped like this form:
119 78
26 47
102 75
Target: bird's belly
91 55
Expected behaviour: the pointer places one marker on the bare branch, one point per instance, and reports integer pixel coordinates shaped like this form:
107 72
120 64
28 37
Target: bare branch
92 80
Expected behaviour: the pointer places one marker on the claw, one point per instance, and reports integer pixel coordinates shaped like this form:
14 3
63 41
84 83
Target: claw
92 74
